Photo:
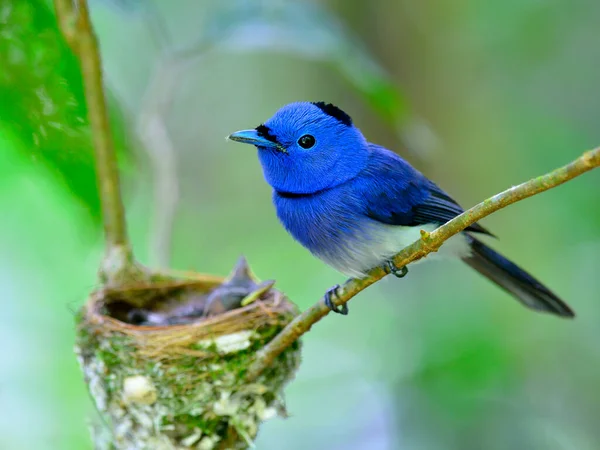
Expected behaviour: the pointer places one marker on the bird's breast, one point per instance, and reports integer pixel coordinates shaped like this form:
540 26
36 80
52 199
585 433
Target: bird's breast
321 222
335 229
333 226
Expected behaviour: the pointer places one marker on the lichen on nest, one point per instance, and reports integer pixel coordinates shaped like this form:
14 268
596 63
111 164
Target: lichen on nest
183 386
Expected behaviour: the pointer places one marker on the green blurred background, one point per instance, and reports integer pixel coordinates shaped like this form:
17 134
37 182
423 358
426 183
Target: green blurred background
478 95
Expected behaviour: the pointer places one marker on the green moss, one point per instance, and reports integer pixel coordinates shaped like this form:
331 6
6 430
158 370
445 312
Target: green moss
198 397
109 358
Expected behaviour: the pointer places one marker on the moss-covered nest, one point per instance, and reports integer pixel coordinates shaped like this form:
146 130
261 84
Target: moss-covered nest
181 386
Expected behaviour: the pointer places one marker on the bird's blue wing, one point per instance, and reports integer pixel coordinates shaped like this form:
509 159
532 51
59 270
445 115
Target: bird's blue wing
397 194
440 208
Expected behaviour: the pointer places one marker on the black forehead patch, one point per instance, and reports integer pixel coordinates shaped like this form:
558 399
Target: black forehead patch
265 132
335 112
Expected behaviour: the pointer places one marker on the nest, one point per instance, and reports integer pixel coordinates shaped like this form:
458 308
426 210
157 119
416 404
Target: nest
182 385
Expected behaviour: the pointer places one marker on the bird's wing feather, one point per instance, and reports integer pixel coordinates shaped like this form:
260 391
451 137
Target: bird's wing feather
439 207
398 194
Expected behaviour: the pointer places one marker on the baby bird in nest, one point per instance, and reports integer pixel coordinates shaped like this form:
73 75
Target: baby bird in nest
239 289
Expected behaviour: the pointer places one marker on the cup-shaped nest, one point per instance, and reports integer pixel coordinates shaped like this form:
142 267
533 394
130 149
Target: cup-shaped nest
166 365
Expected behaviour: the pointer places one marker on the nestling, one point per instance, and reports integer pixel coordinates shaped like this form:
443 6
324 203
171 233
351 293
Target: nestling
355 204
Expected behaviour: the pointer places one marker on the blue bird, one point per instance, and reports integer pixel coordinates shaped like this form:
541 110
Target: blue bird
355 204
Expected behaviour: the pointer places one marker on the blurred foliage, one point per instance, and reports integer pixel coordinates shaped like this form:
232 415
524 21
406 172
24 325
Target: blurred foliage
306 30
42 99
309 31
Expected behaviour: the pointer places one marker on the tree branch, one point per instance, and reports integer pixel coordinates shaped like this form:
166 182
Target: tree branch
429 242
74 20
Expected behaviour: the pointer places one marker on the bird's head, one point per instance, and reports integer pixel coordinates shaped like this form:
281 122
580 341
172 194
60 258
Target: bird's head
307 147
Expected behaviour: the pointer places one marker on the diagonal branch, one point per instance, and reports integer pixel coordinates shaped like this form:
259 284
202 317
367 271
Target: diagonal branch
429 242
74 20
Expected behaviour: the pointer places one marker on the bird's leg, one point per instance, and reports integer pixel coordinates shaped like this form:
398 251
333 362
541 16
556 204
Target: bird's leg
332 294
391 268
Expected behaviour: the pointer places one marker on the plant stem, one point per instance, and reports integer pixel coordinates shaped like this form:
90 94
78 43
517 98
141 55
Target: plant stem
74 20
429 242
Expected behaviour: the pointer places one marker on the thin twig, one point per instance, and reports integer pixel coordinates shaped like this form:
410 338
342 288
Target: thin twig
153 133
429 242
74 20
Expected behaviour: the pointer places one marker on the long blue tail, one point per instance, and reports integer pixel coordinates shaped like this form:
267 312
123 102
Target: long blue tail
515 280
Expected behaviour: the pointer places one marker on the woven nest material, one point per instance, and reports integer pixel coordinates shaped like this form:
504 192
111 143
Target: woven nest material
167 341
182 386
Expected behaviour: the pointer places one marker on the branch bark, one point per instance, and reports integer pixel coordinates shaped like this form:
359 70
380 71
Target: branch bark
429 242
119 266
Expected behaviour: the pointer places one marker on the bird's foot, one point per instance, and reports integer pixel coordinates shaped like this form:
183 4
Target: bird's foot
330 295
391 268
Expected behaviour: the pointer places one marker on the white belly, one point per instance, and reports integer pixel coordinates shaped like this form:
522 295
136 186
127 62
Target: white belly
381 242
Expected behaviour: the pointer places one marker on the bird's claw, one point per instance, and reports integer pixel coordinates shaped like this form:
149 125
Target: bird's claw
391 268
329 296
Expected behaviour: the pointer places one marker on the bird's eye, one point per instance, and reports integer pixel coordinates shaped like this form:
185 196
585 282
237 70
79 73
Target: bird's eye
306 141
